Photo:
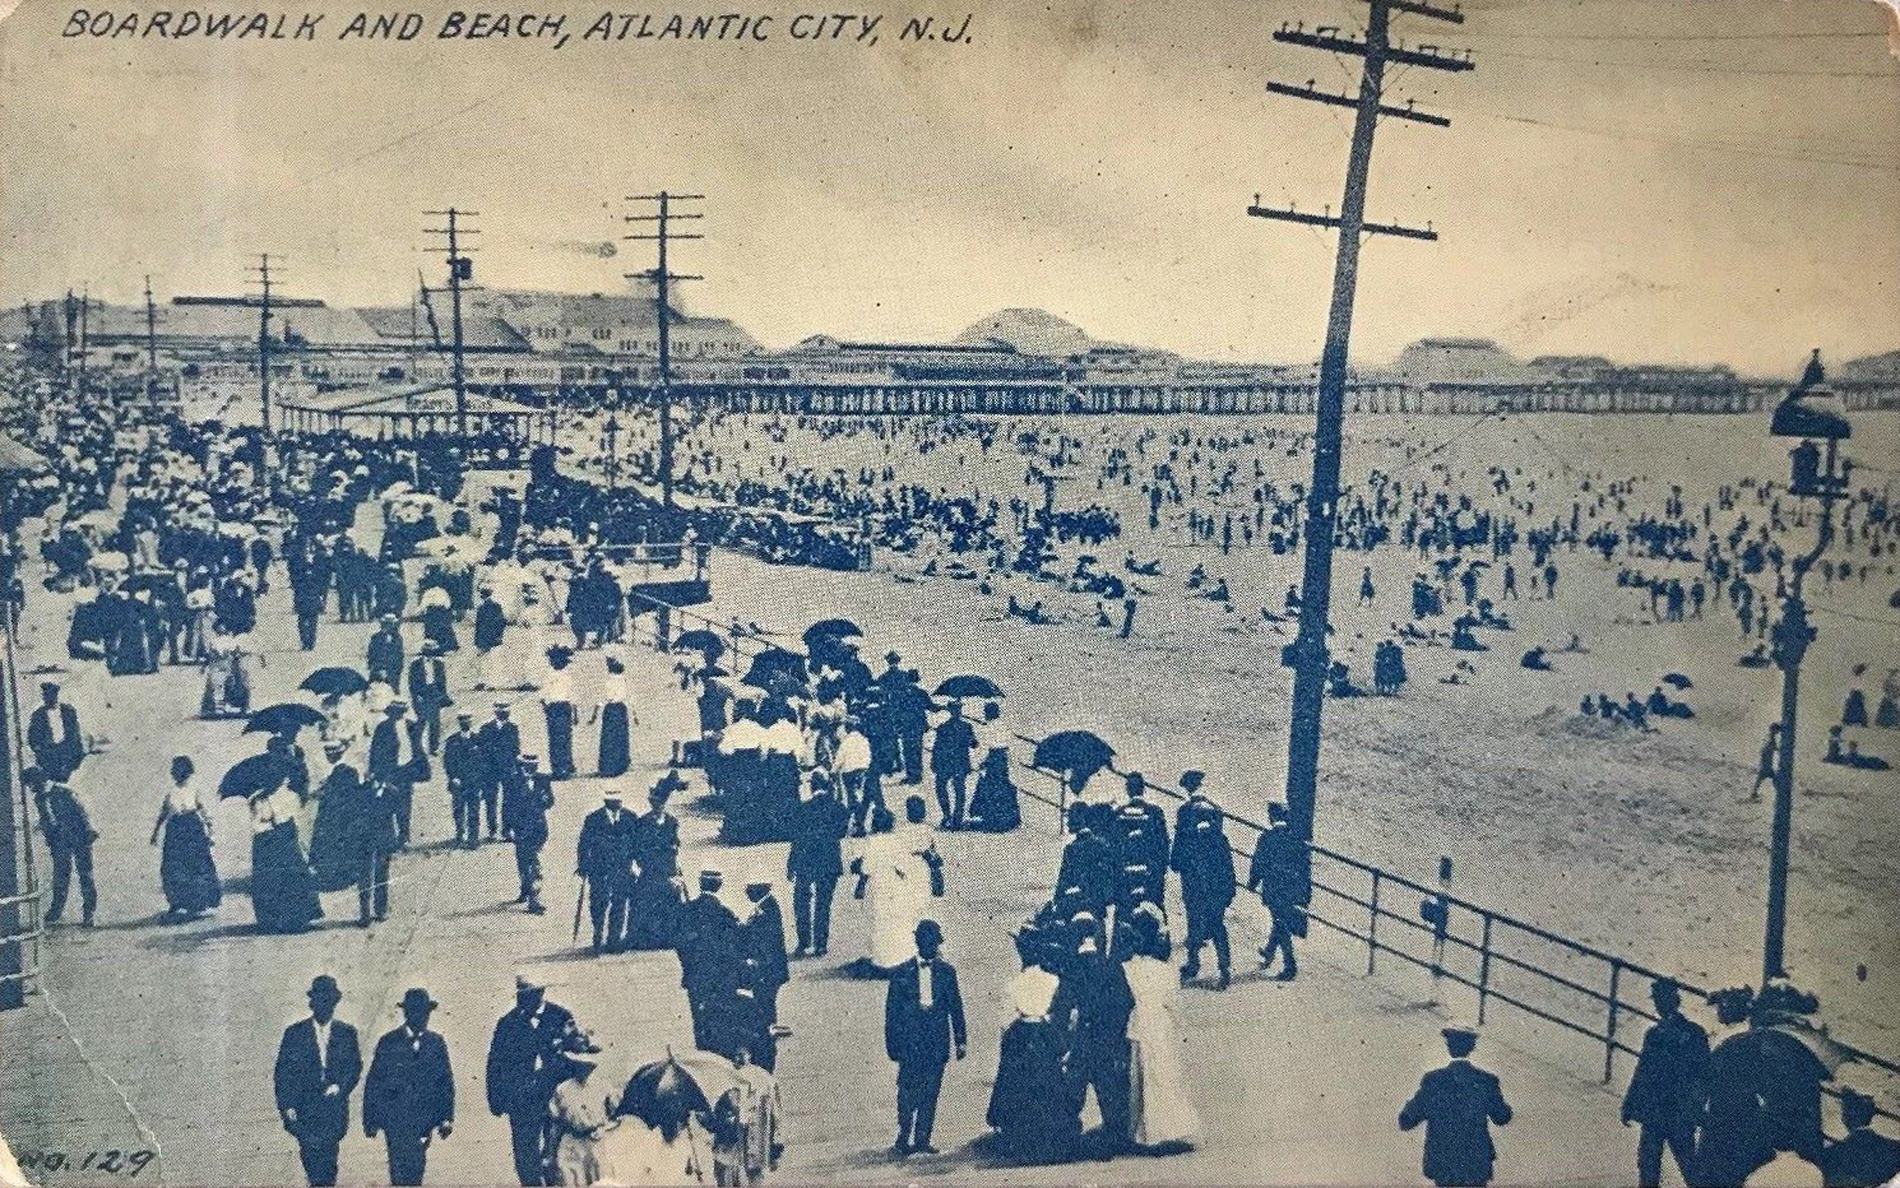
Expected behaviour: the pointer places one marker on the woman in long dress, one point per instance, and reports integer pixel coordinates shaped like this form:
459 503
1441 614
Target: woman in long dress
897 865
185 868
1159 1111
615 719
995 806
283 891
342 803
1029 1107
579 1114
557 705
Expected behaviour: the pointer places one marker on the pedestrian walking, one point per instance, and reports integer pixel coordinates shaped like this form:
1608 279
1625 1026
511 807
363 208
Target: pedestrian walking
1277 874
383 655
604 858
465 771
761 943
397 763
1205 862
711 964
319 1061
409 1095
524 1066
950 766
499 741
814 862
429 691
1666 1090
527 796
1458 1105
52 733
923 1025
653 912
185 868
1093 1005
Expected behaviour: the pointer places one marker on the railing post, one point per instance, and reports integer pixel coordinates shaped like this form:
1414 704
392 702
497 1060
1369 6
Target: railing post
1372 926
1484 968
1609 1030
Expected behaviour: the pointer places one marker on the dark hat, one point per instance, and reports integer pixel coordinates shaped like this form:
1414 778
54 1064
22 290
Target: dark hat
928 927
464 716
416 998
502 707
1857 1109
892 657
324 986
710 880
1192 780
49 685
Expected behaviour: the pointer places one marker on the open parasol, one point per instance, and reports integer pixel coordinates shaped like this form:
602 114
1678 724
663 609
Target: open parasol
677 1085
776 661
334 681
833 629
248 777
700 640
968 685
1072 750
286 717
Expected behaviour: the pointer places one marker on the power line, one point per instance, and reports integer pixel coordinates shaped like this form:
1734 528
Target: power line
461 270
1643 37
1888 166
1698 67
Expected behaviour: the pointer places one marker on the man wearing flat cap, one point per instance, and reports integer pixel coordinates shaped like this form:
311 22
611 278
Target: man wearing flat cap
1205 862
711 963
318 1064
1458 1104
524 1066
465 770
1665 1094
409 1096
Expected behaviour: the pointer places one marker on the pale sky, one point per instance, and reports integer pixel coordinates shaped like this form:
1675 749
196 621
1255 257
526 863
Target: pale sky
1090 157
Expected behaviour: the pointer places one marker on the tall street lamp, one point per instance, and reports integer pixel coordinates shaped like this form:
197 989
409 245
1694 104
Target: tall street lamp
611 431
1813 413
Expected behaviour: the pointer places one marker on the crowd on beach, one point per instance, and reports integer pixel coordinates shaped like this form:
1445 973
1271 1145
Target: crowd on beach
169 538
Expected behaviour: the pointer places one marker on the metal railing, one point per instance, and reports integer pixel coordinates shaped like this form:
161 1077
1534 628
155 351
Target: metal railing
1571 985
1579 988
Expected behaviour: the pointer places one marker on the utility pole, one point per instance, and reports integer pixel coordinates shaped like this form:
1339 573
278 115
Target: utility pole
85 335
663 313
461 271
1308 653
151 343
263 282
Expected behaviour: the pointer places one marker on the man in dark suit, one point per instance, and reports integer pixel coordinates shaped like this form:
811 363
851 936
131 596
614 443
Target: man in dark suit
1665 1091
1458 1104
762 949
379 834
652 920
69 837
1863 1159
309 590
711 965
465 770
383 656
318 1064
1088 879
1205 862
53 734
604 857
527 795
1278 875
524 1066
814 864
923 1022
950 765
1092 1005
1139 837
500 742
491 625
397 762
410 1094
429 692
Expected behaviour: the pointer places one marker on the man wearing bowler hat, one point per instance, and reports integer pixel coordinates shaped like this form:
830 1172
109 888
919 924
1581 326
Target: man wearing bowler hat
923 1023
1665 1094
604 857
524 1065
465 769
499 740
409 1096
1458 1104
526 797
318 1064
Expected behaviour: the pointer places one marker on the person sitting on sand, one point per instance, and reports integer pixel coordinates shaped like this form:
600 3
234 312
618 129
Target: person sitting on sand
1864 762
1834 754
1537 661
